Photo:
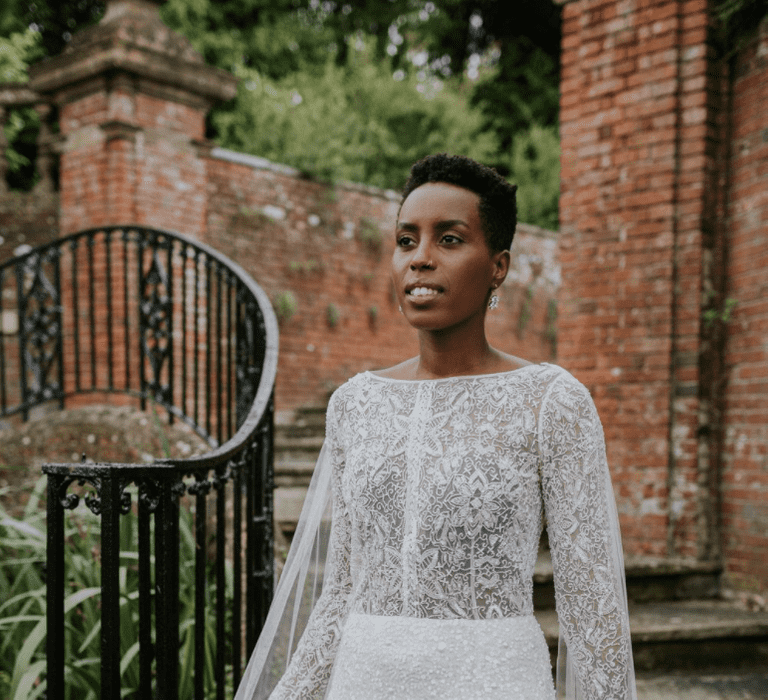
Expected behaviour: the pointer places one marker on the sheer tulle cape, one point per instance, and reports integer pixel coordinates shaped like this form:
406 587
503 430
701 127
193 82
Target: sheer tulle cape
299 588
301 583
305 571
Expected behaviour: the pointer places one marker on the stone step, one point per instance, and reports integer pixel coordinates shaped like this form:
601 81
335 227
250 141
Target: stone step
687 635
703 685
648 580
302 422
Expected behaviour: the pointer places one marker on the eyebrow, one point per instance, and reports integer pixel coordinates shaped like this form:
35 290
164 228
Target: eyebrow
440 226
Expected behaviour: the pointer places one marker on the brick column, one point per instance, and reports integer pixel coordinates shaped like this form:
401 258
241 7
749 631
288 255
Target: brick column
639 249
744 485
132 98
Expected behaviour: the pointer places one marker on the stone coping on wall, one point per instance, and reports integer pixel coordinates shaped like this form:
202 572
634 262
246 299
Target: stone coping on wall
259 163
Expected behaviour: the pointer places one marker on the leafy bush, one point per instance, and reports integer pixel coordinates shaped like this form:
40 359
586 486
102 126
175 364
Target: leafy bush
23 601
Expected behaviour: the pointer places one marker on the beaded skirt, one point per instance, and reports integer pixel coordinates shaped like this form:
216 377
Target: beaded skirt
381 658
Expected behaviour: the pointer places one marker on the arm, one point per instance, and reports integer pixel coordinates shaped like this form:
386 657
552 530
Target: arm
310 666
586 545
297 612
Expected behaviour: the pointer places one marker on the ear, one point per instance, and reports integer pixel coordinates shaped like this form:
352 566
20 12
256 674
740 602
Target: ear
501 262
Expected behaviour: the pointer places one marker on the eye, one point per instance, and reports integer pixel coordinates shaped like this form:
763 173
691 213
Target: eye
404 240
450 239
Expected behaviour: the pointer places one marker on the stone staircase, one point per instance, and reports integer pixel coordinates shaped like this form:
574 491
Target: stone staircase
298 439
680 622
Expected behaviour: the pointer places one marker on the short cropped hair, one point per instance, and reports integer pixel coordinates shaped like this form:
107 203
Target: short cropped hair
498 203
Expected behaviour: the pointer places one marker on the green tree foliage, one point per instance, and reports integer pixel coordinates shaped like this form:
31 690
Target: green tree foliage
17 50
358 91
459 36
353 123
534 163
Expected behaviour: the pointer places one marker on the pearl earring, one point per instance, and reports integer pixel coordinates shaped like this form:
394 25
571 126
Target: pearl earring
493 302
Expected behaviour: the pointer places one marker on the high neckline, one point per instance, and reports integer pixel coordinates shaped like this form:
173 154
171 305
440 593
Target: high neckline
457 376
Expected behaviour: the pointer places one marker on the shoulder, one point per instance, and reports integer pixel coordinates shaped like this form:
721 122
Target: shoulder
348 394
556 377
565 397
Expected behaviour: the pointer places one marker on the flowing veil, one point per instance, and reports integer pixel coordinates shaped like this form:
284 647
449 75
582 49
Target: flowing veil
299 588
305 571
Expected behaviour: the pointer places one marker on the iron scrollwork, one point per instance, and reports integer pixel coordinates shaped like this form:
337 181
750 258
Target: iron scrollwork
40 328
155 311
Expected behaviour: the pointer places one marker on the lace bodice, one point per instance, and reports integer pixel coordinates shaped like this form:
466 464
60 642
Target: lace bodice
439 492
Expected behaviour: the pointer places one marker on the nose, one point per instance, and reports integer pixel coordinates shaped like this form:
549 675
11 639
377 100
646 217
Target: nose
422 257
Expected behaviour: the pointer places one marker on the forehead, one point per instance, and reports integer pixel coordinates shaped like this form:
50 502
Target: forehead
441 200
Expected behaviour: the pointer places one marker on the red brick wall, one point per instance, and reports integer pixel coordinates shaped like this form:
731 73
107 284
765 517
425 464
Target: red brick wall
664 213
329 247
634 97
132 157
745 454
27 218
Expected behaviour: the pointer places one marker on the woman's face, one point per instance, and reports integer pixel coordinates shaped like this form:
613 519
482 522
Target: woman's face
442 267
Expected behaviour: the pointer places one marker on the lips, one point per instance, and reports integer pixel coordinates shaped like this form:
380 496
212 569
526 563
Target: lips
423 292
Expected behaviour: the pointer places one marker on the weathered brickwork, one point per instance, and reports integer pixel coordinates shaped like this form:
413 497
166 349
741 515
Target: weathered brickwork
27 219
633 170
322 253
745 453
662 307
655 249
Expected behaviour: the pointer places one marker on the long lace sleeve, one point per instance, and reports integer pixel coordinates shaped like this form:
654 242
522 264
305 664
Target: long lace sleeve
294 655
586 549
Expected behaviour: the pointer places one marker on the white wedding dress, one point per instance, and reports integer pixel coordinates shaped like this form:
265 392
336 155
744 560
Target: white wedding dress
438 488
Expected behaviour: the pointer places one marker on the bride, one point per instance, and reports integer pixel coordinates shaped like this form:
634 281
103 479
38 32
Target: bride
411 572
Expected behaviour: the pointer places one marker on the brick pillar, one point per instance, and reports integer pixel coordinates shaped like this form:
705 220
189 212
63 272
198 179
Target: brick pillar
745 446
132 97
640 256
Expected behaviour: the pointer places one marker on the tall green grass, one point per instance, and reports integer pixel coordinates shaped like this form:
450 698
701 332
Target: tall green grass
23 595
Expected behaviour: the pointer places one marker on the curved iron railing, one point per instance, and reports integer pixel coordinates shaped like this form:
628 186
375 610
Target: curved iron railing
157 316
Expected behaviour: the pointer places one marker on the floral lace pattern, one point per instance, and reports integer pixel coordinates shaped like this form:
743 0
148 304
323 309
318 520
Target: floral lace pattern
440 487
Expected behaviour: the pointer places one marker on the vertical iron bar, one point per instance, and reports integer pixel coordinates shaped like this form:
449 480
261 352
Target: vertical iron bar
75 312
221 583
266 469
3 397
92 312
219 341
110 359
250 545
169 321
142 327
237 565
59 323
21 303
200 558
197 338
126 312
230 292
184 329
110 584
208 345
54 584
145 594
167 591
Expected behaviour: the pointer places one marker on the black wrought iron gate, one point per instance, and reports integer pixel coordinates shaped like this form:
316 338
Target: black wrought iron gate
154 315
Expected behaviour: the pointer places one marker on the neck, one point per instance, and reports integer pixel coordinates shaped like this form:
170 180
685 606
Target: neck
447 353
